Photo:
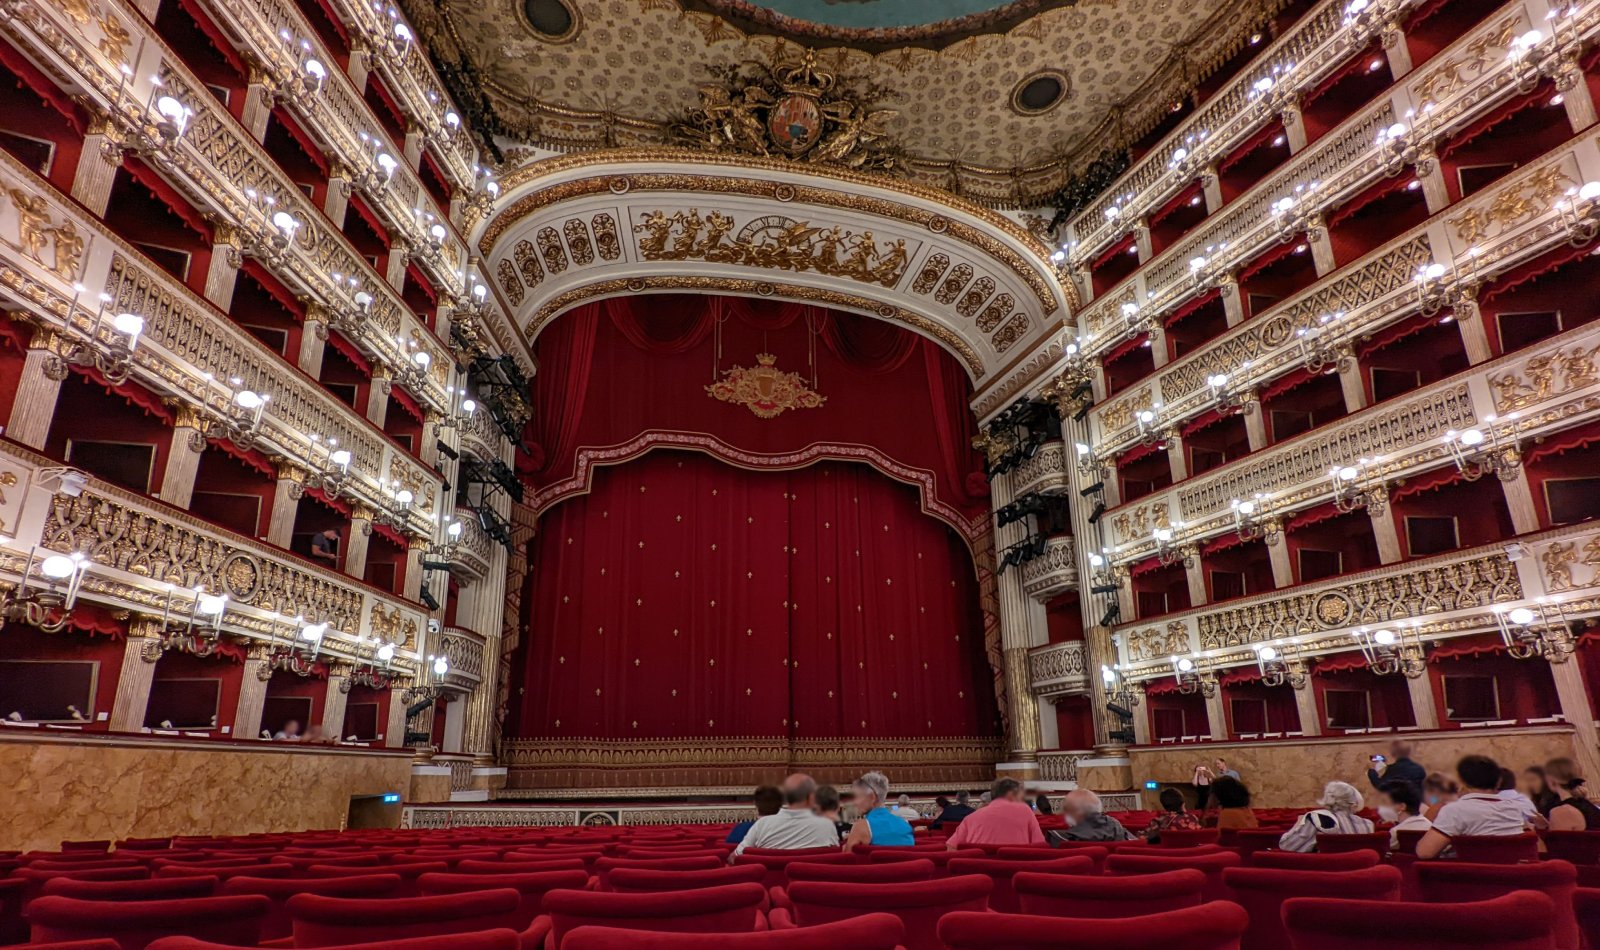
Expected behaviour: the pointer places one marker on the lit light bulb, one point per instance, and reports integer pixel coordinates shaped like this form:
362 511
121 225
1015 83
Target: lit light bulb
1185 665
340 458
404 496
441 666
421 358
1521 616
57 566
128 324
386 652
1471 437
468 406
1383 638
313 631
1268 654
211 604
245 399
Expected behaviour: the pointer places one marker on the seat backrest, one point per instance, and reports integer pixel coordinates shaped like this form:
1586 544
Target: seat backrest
777 864
1097 855
1314 861
867 932
1262 891
1579 847
135 924
1250 840
1212 865
918 904
1586 906
1097 897
34 880
1214 926
1189 837
730 908
1521 920
278 924
941 859
532 887
604 866
1003 898
321 921
502 939
1168 852
407 872
893 872
150 889
1375 841
1407 839
1452 882
647 881
1496 849
228 871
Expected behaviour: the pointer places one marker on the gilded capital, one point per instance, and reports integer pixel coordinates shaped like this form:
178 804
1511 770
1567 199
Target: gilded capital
289 472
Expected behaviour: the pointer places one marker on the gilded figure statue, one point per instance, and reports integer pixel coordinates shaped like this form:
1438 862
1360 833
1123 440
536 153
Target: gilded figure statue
1558 559
33 223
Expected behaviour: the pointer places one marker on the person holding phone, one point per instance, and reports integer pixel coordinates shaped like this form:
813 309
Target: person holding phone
1397 766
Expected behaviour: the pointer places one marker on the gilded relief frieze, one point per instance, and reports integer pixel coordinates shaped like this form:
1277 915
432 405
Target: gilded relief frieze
1547 376
1529 197
772 242
1157 643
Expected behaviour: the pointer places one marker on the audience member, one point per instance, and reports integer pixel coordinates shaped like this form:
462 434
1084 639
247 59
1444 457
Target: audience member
1224 770
1507 789
1478 810
954 813
1337 816
1006 820
1174 814
903 808
768 799
1087 820
1573 811
877 825
1202 783
1233 804
1438 790
1536 785
1041 804
827 799
1402 808
1398 766
984 799
795 825
290 731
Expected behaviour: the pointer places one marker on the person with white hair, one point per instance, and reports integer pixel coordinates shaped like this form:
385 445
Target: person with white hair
1087 820
877 826
904 810
1337 816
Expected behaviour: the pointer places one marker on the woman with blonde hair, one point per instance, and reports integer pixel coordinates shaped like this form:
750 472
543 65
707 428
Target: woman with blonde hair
1337 816
1573 811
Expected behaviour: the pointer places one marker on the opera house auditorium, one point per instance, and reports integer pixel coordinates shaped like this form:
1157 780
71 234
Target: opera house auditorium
800 474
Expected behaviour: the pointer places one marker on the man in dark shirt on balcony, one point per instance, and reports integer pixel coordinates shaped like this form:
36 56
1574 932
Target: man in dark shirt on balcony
325 547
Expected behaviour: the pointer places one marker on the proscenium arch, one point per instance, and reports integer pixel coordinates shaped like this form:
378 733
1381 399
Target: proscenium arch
585 227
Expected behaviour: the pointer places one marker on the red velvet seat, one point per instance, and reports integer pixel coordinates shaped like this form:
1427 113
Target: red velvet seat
1248 841
99 943
732 908
13 929
1097 897
1376 842
1496 849
1189 837
891 872
1140 847
408 873
1579 847
1521 920
278 924
1453 882
1003 898
777 864
228 871
801 852
1213 865
1097 855
95 846
532 888
867 932
149 889
941 859
501 939
1262 891
134 924
548 860
520 867
1214 926
34 881
604 866
648 881
321 921
919 904
1586 907
1407 840
1314 861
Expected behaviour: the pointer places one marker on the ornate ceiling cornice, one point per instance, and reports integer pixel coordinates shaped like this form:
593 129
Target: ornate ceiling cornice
754 18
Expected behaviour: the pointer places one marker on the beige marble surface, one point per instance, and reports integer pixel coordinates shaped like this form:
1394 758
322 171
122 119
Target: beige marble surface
63 787
1291 773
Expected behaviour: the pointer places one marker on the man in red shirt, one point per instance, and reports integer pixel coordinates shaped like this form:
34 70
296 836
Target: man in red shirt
1007 819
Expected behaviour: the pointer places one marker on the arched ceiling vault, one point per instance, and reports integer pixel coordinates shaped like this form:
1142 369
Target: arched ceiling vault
585 227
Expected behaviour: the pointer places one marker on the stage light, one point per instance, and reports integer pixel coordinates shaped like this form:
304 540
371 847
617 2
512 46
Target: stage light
447 451
1110 617
1104 589
1121 712
1099 509
427 599
436 565
1081 413
1097 486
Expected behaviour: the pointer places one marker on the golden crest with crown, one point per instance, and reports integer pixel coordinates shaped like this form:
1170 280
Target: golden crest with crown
765 389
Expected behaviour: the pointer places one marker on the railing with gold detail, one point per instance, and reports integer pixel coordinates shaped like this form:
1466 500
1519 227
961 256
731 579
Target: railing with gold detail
1061 765
184 340
465 651
139 550
1058 669
1047 471
1052 573
225 173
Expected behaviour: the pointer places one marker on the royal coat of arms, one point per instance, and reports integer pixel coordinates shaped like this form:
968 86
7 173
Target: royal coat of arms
765 389
792 111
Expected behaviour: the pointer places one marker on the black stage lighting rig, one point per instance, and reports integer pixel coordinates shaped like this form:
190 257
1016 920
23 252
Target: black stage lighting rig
1022 552
427 598
1111 616
1099 509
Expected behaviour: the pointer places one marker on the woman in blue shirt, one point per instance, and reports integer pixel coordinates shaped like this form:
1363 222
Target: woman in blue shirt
877 826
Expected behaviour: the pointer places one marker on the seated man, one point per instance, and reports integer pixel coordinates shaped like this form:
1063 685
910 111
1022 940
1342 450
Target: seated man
955 813
796 825
767 801
1005 820
1087 821
1478 811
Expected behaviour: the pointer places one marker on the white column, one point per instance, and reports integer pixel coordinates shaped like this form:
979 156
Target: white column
355 548
1575 96
333 704
1216 708
1350 382
394 271
285 505
313 341
1195 573
337 201
1305 703
1519 500
1255 425
1422 703
257 105
1232 299
394 730
140 652
1384 530
1211 187
1396 51
183 458
1293 128
378 395
1573 695
222 274
1469 321
97 167
1177 461
1282 564
1434 190
1321 247
252 693
37 391
413 580
1141 240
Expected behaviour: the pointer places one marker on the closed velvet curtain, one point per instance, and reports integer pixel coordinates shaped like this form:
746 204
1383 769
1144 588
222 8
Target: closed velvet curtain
683 596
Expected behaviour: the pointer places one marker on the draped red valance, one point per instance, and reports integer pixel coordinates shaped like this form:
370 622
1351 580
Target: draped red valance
1340 663
1378 192
1124 348
1558 443
1475 645
285 297
389 534
1121 247
1356 64
1165 686
1205 299
1262 137
359 203
251 457
1238 675
1179 202
1203 421
1270 256
168 196
1533 270
1287 382
1503 113
1312 516
1426 482
349 351
404 400
133 393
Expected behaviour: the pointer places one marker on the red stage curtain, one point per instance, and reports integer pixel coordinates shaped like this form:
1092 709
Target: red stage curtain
683 597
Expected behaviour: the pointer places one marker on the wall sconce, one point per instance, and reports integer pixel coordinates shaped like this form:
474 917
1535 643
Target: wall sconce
240 419
273 237
1354 488
1524 58
1277 667
379 168
1150 429
394 41
413 372
1432 292
1169 553
1297 213
1270 94
173 118
301 647
1226 400
1134 321
1476 455
395 504
1389 651
1528 634
330 466
47 607
1186 158
113 361
206 611
1319 351
1090 465
307 76
1190 680
1252 519
1102 575
1577 211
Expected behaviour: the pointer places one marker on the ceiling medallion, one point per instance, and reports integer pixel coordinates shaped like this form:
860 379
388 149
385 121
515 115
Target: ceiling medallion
764 389
1040 92
553 21
793 111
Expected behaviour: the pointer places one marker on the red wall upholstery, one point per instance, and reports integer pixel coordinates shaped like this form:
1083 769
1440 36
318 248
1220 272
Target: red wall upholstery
686 597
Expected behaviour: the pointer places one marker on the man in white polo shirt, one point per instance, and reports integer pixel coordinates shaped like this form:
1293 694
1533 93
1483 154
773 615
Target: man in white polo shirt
1479 811
795 826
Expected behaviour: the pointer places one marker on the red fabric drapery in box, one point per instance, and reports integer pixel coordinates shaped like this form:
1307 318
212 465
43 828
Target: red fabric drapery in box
1179 201
1261 138
1532 270
1565 441
349 351
1106 256
684 597
1204 299
405 402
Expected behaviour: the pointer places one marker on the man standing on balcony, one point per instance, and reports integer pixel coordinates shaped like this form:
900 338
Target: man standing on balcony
325 547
